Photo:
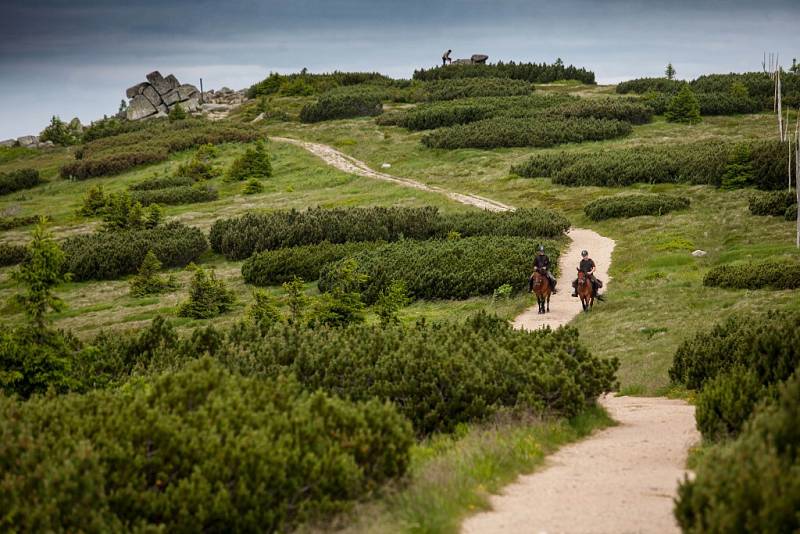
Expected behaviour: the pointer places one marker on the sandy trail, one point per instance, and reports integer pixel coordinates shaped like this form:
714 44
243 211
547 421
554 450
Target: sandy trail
348 164
620 480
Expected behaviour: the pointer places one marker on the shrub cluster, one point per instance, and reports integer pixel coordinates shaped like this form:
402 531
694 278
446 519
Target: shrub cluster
305 84
18 180
184 194
11 254
735 366
342 106
517 132
751 483
274 267
603 108
647 85
162 182
108 255
9 223
443 269
710 103
764 165
771 273
451 89
530 72
758 85
771 202
633 205
240 237
118 153
197 450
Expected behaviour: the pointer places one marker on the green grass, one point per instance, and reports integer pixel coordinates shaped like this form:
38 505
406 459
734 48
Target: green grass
453 476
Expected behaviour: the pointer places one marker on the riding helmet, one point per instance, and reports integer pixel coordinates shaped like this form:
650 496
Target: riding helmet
541 248
584 253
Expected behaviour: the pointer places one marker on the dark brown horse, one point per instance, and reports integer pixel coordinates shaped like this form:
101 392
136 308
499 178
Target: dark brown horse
540 285
585 291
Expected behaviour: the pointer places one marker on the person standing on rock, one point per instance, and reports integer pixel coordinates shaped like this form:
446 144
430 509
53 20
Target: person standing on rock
446 58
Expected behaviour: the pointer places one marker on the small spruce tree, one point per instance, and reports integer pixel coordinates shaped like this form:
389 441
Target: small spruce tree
94 201
208 296
254 163
297 300
684 107
263 311
122 213
670 71
252 187
154 216
390 301
177 113
147 281
342 305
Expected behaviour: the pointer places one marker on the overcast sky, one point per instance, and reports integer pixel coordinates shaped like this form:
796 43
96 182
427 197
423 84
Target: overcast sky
77 57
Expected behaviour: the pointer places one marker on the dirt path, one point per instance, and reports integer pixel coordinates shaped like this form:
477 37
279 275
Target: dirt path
348 164
563 306
620 480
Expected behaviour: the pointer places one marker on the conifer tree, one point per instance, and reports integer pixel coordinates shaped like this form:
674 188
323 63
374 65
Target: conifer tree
147 281
254 163
684 107
670 71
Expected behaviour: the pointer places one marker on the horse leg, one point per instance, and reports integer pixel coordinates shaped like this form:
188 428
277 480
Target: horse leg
548 303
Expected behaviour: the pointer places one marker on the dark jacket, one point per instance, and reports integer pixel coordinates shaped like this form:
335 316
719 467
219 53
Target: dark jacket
541 262
586 265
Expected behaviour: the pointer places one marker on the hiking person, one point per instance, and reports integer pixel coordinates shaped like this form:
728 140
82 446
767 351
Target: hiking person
541 265
446 58
587 267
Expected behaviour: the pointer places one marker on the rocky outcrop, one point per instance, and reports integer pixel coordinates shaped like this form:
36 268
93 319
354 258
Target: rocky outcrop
476 59
27 141
158 95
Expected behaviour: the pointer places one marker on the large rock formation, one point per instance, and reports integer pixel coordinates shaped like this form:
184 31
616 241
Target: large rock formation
476 59
158 95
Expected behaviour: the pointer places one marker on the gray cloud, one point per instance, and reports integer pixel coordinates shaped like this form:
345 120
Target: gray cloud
76 57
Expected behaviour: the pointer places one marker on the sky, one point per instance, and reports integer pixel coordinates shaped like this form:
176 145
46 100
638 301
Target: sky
76 57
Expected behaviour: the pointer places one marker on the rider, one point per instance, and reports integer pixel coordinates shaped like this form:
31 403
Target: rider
587 267
541 264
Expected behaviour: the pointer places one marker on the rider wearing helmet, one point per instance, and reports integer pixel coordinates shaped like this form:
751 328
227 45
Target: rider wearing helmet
587 267
541 265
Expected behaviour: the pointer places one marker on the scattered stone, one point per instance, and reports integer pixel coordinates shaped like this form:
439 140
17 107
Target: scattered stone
216 107
386 165
139 108
28 141
191 105
699 253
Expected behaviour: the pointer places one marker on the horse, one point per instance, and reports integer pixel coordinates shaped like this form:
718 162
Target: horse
585 291
540 285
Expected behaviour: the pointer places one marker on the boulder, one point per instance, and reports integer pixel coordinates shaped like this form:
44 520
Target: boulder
172 81
75 125
28 141
162 108
216 107
136 89
226 90
139 108
462 62
191 105
159 83
171 98
187 91
479 59
8 142
152 95
699 253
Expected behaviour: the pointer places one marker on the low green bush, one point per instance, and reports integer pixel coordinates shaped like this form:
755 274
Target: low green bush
147 280
517 132
196 450
603 108
452 89
273 267
697 163
751 484
646 85
771 273
771 202
766 344
726 403
109 255
633 205
791 213
171 196
253 186
240 237
11 254
287 84
9 223
119 153
530 72
443 269
162 182
18 180
342 106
